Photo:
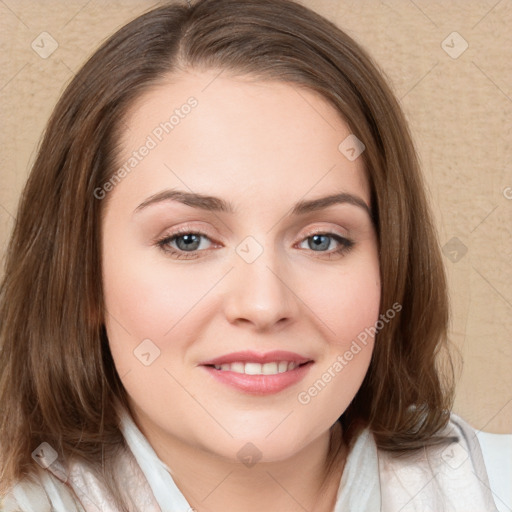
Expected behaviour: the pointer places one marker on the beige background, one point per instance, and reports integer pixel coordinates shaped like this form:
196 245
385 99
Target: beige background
460 111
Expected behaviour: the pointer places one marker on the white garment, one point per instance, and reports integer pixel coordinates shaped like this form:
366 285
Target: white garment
449 479
497 452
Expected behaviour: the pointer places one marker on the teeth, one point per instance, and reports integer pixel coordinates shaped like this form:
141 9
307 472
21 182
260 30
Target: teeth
256 368
283 366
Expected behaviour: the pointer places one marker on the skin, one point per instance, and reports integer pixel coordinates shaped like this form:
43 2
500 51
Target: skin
262 146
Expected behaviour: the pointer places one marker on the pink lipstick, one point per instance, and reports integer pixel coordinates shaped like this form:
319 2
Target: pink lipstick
257 373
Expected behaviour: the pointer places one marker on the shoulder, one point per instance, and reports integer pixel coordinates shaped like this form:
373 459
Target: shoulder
42 492
450 477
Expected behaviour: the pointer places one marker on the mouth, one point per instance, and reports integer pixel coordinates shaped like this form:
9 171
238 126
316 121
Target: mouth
259 374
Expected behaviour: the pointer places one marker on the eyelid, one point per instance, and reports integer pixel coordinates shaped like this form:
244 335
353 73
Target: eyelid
186 229
327 231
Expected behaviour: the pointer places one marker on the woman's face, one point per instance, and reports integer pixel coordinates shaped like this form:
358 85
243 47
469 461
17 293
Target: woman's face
241 261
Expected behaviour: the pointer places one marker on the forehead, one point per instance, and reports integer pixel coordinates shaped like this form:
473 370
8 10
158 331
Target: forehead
211 132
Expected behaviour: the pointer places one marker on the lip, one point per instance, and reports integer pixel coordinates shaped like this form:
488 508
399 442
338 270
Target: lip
260 384
249 356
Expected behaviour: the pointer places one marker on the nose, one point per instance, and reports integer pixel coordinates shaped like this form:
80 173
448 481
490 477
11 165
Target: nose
261 293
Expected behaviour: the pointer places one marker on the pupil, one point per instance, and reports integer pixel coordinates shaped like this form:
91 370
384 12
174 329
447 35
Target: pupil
189 241
318 243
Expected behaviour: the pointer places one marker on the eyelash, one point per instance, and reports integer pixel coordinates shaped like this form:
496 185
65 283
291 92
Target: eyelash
345 244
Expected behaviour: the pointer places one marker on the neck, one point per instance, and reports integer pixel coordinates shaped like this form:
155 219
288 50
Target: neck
309 480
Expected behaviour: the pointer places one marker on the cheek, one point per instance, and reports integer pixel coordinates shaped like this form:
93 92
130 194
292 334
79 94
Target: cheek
149 294
347 315
348 310
335 382
347 301
145 301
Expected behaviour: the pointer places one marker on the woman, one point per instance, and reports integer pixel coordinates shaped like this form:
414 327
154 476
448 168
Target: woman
224 289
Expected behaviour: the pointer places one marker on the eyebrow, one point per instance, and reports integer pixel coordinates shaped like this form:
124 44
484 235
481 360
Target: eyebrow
216 204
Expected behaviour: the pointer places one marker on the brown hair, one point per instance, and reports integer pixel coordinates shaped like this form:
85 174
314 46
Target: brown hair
58 382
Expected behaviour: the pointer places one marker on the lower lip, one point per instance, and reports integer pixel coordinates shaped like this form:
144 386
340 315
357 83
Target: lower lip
260 384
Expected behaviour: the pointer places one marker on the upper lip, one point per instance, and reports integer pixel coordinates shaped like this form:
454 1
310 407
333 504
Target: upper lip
248 356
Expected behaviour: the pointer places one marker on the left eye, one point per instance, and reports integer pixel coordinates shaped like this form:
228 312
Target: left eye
322 241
